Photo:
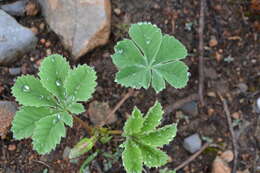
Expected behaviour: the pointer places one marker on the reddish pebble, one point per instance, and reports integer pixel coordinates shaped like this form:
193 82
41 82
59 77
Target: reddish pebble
11 147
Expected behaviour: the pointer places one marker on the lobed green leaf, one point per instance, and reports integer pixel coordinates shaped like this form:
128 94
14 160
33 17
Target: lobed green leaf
80 83
76 108
48 133
159 137
152 118
134 123
150 59
29 91
24 121
132 157
66 118
153 157
53 72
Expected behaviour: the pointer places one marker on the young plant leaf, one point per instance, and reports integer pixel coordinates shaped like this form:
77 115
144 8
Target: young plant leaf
53 72
29 91
152 118
66 118
148 37
24 121
76 108
83 146
159 137
80 83
48 133
132 157
150 59
134 123
153 157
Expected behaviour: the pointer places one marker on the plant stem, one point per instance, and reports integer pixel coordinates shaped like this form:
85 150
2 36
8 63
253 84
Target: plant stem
115 132
85 125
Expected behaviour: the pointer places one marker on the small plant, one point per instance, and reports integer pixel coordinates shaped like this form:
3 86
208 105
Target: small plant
143 139
49 102
52 101
150 58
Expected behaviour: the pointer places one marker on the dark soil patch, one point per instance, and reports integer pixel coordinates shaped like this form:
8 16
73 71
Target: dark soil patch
235 59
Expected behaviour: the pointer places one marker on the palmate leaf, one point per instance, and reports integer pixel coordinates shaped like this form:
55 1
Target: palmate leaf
150 58
53 72
132 157
134 123
76 108
153 157
66 118
143 136
152 118
80 83
159 137
24 121
48 133
29 91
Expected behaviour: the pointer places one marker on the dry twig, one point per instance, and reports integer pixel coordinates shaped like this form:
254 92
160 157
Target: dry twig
130 93
233 135
191 158
201 51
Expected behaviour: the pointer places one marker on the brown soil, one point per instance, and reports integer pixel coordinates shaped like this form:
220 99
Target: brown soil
231 23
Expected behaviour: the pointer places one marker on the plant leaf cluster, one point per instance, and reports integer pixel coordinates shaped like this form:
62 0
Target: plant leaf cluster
143 140
150 58
50 100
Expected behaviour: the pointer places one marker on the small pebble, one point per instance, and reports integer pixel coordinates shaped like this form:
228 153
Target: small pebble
34 30
117 11
31 9
213 41
66 153
15 71
190 108
258 103
48 52
42 26
218 56
227 156
47 44
242 87
11 147
236 115
156 6
192 143
42 41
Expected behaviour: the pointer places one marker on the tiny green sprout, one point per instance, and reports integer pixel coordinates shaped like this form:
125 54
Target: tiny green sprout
49 101
143 140
150 58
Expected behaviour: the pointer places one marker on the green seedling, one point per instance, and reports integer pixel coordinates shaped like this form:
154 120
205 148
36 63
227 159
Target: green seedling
51 101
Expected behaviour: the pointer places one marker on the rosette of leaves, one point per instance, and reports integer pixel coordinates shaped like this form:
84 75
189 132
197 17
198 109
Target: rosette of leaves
143 140
150 58
49 101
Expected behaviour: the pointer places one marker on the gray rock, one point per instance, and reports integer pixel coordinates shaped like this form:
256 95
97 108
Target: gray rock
15 40
81 24
7 111
15 71
192 143
15 9
66 153
190 108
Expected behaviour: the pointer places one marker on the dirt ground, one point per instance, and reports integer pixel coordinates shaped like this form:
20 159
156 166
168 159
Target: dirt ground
231 61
